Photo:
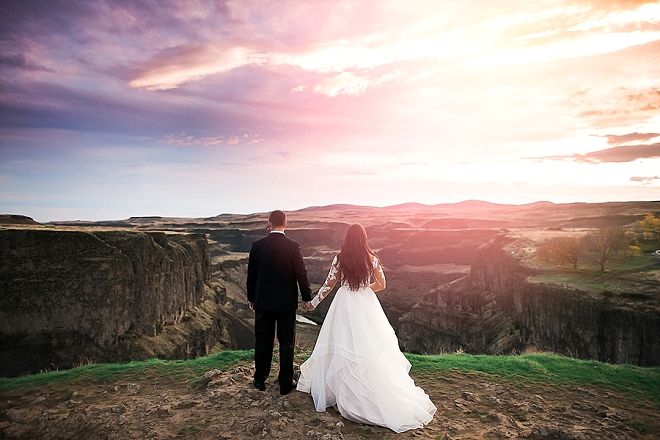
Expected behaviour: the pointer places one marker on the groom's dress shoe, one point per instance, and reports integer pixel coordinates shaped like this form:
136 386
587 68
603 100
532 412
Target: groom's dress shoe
259 385
287 388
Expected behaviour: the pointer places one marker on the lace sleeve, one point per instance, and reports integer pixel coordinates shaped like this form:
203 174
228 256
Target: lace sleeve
329 283
378 275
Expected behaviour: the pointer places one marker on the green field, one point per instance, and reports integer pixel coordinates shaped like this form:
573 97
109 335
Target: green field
621 275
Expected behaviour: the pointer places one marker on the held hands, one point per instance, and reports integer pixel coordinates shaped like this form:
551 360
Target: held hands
311 305
315 301
307 305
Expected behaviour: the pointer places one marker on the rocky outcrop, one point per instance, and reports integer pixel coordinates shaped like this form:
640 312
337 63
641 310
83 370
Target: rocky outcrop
110 295
13 219
496 310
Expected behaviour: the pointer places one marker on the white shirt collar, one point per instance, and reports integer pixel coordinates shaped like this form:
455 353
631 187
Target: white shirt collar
277 232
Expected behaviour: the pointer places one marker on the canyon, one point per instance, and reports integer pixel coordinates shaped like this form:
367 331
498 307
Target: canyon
71 296
461 277
497 309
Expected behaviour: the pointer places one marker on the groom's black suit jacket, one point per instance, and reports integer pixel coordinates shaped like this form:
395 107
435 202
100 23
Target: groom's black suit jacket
275 272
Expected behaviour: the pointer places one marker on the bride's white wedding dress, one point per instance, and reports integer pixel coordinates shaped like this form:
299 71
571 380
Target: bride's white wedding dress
357 367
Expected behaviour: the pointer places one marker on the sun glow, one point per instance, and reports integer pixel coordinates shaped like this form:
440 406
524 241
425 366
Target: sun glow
214 104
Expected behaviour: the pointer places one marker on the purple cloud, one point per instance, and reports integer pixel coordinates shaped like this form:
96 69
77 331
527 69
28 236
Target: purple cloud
20 62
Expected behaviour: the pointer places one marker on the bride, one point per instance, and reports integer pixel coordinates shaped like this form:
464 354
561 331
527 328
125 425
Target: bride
356 365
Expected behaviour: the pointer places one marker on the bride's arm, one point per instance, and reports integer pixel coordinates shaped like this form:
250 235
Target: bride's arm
329 283
379 279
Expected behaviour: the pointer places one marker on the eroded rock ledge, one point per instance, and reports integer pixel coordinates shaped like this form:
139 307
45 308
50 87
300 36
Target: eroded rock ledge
70 296
497 310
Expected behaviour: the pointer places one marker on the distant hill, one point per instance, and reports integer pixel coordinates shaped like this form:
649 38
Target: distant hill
537 214
338 207
13 219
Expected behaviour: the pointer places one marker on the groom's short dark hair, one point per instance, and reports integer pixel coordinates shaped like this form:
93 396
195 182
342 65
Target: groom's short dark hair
277 218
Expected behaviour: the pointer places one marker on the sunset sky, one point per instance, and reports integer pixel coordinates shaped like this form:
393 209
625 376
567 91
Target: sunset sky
112 109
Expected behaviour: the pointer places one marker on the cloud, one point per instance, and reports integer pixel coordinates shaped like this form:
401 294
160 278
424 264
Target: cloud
645 180
184 140
358 173
345 83
620 154
615 4
20 62
614 139
285 154
349 84
604 108
163 47
493 37
175 66
33 105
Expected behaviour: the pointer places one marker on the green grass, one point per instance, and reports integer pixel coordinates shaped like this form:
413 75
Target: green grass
584 280
589 268
177 370
547 369
639 426
593 279
648 245
572 276
528 370
630 263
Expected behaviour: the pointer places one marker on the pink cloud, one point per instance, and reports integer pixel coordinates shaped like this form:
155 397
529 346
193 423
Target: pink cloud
613 139
619 154
604 108
645 180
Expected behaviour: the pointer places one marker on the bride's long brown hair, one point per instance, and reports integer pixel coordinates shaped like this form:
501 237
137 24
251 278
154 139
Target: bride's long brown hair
355 258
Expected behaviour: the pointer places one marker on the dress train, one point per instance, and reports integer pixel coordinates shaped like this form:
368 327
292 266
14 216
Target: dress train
357 367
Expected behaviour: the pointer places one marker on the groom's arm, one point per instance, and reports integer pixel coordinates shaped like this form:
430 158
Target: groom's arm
301 274
251 283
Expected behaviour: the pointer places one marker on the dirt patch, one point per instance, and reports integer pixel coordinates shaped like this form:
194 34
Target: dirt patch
223 405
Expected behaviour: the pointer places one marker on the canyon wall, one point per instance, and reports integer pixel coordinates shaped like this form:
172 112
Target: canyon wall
68 296
496 310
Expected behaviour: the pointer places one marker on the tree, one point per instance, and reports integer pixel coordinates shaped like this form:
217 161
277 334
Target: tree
560 250
602 245
568 250
544 250
651 226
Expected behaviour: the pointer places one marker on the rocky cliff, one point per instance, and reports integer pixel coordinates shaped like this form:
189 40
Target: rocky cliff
497 310
75 295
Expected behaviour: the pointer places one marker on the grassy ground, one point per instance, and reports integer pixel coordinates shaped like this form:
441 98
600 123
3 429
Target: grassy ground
182 371
622 275
529 369
641 262
477 397
546 369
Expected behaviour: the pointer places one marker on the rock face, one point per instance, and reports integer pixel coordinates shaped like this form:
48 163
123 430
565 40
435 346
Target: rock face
100 294
495 310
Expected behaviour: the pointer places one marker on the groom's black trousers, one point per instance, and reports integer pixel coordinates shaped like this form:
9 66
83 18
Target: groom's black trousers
265 322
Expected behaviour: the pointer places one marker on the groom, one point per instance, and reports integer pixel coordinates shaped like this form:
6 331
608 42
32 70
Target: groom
275 272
